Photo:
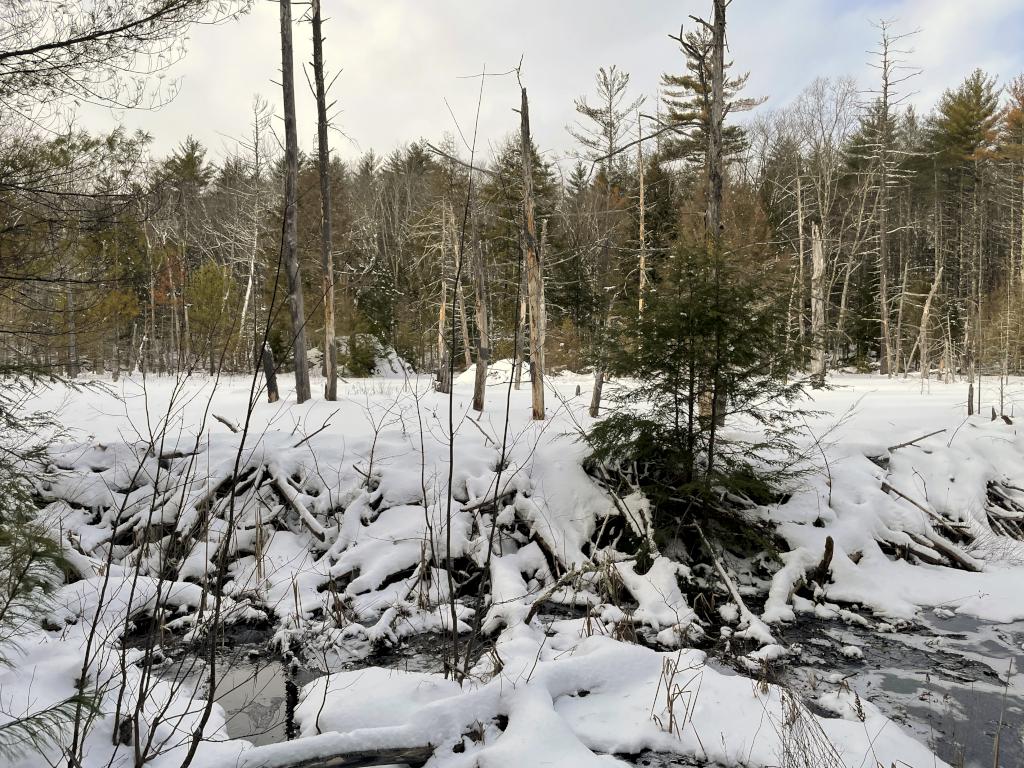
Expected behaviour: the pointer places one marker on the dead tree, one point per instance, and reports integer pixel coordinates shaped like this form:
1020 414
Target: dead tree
483 351
444 383
534 274
885 160
289 245
713 220
641 215
270 373
817 305
326 254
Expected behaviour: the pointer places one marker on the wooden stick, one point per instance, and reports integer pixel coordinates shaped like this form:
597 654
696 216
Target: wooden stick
934 515
292 498
326 424
953 552
892 448
508 492
746 615
358 758
227 423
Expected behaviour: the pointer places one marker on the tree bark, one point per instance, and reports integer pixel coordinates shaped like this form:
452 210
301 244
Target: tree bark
326 255
817 305
443 383
520 351
802 283
534 275
290 245
73 367
642 216
713 232
922 344
483 351
270 373
467 347
883 215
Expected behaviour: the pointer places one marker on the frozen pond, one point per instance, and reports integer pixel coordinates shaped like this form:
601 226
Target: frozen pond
954 682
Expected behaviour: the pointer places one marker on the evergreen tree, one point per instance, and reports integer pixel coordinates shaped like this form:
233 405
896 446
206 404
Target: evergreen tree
609 120
687 98
964 128
657 425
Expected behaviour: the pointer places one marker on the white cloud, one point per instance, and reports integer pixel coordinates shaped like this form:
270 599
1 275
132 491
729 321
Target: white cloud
401 59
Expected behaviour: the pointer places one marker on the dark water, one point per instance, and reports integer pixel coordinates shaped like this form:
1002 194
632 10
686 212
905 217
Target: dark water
945 680
258 686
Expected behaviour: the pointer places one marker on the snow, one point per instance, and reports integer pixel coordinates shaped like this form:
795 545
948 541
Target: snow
341 535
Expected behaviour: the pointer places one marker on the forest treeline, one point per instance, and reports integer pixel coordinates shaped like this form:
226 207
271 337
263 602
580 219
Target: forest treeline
894 239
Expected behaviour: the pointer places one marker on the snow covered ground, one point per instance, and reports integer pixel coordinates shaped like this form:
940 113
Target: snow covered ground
340 530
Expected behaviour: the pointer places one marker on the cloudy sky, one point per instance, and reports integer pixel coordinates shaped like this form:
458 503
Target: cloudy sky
402 60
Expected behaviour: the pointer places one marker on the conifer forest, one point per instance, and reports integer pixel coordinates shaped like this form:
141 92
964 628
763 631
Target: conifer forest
642 395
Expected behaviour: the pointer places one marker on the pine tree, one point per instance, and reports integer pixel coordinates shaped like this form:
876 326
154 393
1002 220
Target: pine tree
964 128
705 350
31 568
687 98
657 425
608 121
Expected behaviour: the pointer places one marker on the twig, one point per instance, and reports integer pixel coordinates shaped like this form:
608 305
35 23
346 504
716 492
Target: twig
227 423
326 424
892 448
476 424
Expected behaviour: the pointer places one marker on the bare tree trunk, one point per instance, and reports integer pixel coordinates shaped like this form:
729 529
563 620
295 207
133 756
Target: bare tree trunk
187 337
789 315
247 343
147 360
840 342
443 383
270 373
115 371
534 275
817 304
642 216
922 343
883 298
250 348
291 177
520 353
802 283
597 393
73 365
133 359
598 390
483 351
467 348
326 255
897 347
713 222
884 140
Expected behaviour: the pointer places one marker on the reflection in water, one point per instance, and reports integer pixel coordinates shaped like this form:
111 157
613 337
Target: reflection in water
946 682
253 695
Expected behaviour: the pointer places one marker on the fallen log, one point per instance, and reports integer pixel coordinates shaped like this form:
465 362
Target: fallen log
261 757
948 524
292 498
953 552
